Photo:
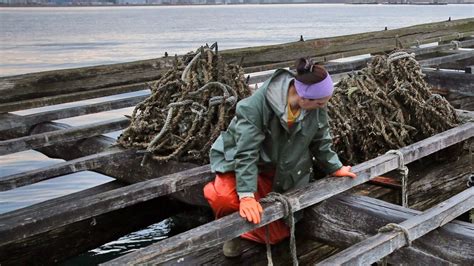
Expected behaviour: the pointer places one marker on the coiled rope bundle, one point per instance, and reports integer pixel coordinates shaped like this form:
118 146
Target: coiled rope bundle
385 106
187 109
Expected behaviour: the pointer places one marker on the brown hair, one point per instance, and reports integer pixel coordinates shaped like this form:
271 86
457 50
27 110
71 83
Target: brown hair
309 72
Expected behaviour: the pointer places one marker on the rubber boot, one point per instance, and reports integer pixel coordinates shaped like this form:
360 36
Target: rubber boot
233 248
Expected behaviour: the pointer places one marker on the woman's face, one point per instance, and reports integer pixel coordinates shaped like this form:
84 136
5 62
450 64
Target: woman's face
312 104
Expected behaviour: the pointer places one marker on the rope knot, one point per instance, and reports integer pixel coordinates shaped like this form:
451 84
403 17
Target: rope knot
456 44
392 227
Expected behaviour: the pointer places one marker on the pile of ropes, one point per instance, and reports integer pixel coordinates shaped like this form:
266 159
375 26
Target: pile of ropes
385 106
187 109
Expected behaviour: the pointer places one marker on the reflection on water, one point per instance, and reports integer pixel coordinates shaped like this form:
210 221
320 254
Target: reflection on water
48 189
123 245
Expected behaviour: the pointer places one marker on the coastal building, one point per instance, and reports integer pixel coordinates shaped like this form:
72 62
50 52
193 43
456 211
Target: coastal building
219 2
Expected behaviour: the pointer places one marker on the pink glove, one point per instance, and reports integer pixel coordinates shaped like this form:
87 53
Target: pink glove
344 171
251 210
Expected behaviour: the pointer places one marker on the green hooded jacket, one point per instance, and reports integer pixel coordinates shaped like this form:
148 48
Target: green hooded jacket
258 139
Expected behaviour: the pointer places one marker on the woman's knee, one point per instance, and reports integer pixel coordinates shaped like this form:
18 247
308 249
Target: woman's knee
221 197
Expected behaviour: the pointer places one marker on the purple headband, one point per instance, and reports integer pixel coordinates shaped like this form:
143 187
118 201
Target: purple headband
318 90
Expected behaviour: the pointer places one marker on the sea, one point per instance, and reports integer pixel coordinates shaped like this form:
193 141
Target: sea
34 39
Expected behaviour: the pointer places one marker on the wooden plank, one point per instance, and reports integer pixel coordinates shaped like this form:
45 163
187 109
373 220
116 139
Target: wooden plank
442 47
233 225
466 114
58 136
308 250
447 59
360 63
13 122
85 79
270 54
382 244
450 81
70 97
441 182
81 164
359 217
73 80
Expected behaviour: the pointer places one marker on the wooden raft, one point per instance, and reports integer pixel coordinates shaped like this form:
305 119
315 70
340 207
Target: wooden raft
48 228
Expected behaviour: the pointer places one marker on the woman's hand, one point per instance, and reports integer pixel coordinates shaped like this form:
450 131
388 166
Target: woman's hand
251 210
344 171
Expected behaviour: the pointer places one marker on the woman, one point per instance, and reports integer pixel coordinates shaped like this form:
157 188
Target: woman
266 147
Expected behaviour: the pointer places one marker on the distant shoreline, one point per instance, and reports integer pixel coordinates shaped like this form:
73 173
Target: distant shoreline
230 4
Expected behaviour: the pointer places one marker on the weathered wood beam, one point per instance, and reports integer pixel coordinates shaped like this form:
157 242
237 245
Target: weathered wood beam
87 207
359 217
450 82
447 58
15 122
466 115
68 97
456 87
334 68
308 250
123 77
381 49
58 136
72 239
442 47
51 83
233 225
80 164
382 244
441 31
459 65
442 181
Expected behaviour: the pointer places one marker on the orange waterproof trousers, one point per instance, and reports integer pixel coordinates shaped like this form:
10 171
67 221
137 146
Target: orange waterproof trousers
222 196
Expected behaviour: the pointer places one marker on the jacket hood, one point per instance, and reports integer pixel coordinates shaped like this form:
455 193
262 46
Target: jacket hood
277 93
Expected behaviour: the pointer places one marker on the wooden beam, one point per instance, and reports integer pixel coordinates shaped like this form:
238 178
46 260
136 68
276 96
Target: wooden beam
55 137
233 225
270 54
72 239
465 114
334 68
447 58
69 97
442 47
359 217
382 244
450 81
81 164
13 122
11 230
